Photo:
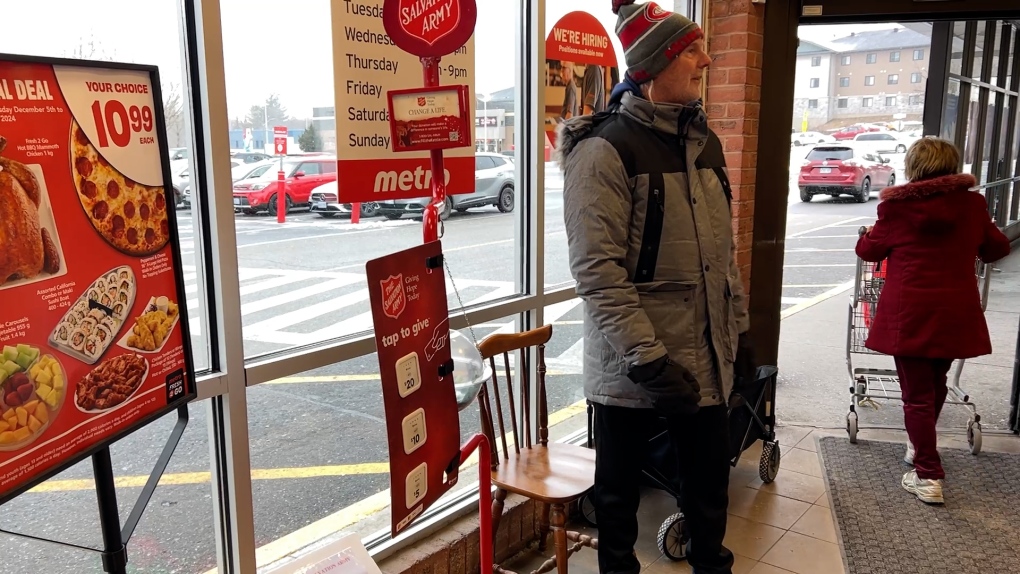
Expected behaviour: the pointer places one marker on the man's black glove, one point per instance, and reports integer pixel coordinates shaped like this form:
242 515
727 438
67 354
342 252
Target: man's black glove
744 367
673 389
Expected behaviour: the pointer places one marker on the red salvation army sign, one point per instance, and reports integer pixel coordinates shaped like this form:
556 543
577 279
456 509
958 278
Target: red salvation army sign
430 28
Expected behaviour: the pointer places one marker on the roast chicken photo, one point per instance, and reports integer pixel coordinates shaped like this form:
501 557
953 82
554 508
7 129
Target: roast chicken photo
26 248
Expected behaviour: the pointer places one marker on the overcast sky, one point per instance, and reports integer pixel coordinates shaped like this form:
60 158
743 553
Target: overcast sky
270 46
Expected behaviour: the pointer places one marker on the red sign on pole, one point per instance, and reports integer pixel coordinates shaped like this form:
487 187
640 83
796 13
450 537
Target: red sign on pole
430 29
280 140
408 296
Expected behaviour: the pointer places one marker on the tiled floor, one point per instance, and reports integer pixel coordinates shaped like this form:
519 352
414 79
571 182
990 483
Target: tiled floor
779 528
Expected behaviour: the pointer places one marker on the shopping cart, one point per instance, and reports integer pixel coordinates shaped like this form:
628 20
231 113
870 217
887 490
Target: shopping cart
869 385
751 418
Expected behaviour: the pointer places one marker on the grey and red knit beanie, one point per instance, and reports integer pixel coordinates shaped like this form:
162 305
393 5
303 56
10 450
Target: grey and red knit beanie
652 37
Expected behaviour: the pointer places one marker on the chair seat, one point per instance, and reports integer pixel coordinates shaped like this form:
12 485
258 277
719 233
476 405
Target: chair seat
553 474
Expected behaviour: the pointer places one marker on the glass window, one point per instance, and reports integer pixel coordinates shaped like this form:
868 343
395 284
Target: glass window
815 82
869 80
959 37
812 104
872 58
844 82
484 162
842 103
950 112
557 268
979 49
309 168
894 79
918 54
867 102
915 78
302 283
830 153
88 33
894 56
890 101
845 60
915 100
816 61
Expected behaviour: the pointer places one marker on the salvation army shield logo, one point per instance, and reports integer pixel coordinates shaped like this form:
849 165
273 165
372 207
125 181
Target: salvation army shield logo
421 102
429 20
394 300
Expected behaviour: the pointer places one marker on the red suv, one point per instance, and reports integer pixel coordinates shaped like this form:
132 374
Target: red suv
302 176
842 170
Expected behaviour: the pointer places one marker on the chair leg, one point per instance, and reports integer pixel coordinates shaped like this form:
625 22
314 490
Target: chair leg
558 517
543 525
497 513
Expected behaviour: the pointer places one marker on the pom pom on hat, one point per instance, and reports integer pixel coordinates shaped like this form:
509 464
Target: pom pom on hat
618 3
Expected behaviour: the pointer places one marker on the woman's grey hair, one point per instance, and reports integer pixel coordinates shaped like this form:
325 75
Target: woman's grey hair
931 157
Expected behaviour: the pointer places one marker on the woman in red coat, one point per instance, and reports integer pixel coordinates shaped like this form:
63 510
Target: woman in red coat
929 232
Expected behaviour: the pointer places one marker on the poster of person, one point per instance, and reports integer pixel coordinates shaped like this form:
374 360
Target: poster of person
581 69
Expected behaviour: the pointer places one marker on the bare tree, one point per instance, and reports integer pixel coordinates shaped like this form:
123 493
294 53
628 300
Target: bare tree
173 114
90 49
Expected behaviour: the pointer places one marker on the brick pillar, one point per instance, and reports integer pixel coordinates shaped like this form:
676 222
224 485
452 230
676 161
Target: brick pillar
734 30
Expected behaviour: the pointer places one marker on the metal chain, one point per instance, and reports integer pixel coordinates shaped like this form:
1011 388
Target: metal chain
471 330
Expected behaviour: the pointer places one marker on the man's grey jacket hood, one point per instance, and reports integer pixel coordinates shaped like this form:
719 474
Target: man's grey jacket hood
656 170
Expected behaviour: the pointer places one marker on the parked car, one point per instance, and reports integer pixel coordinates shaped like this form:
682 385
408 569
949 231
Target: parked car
301 176
843 170
808 138
239 172
326 202
882 142
849 132
250 156
494 185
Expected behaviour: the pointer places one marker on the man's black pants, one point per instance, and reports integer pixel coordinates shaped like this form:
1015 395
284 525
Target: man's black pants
621 449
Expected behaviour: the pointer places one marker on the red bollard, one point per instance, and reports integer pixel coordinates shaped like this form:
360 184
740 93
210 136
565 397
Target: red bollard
281 198
355 213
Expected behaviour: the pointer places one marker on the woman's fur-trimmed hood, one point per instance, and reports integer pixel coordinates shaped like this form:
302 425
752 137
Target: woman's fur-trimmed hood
926 188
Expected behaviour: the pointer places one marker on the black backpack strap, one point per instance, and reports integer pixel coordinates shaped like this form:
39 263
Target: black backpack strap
652 233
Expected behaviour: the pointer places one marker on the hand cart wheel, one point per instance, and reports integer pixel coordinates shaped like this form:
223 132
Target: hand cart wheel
673 537
974 436
851 426
587 507
768 467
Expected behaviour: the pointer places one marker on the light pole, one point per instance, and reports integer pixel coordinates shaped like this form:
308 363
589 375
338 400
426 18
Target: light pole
485 117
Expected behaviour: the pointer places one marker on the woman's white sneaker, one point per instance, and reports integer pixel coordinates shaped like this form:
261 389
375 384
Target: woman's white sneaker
909 457
926 490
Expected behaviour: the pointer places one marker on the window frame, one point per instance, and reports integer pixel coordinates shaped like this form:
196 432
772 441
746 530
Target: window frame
918 54
869 80
893 79
895 101
816 61
894 56
867 102
844 82
845 60
871 58
843 103
812 104
815 83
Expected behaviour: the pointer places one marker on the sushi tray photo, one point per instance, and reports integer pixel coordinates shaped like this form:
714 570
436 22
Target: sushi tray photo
91 325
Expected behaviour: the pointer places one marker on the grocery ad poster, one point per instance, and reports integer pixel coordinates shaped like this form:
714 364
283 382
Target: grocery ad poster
93 337
367 65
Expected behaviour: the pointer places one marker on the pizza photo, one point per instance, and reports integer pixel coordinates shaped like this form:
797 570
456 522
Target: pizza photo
131 217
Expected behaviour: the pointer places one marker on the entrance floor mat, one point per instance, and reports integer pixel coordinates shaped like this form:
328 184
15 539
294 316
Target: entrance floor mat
883 529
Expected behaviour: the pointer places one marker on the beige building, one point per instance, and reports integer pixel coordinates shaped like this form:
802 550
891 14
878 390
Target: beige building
870 76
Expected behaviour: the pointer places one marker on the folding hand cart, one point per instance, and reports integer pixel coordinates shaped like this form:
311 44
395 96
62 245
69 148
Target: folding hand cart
868 385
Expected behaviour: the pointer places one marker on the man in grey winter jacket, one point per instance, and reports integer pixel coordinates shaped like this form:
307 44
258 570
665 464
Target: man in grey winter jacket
646 207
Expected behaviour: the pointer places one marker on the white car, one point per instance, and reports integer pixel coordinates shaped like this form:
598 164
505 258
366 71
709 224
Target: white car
238 170
810 138
326 202
882 142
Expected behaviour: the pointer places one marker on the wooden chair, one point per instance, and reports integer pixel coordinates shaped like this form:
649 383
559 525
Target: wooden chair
552 474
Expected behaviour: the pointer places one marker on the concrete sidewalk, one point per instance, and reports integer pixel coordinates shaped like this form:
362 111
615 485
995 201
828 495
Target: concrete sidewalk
814 382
